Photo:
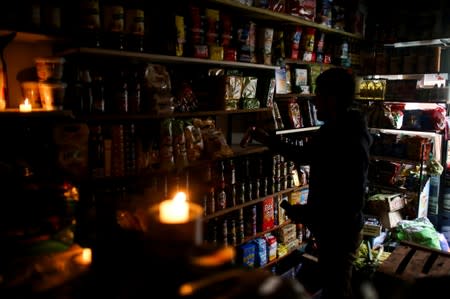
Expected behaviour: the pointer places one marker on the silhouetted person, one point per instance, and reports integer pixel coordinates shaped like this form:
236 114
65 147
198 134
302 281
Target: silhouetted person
338 155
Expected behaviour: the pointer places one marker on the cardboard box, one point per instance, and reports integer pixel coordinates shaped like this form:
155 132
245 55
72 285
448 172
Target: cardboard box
390 219
385 203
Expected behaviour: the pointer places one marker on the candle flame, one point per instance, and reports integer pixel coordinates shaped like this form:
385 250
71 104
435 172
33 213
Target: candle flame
26 102
85 257
180 197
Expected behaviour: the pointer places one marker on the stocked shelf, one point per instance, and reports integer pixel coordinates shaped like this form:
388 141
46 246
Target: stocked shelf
137 56
266 14
248 203
281 96
261 234
395 159
128 117
278 259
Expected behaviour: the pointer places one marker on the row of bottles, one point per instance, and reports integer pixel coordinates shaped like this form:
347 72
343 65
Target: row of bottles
99 91
232 182
110 23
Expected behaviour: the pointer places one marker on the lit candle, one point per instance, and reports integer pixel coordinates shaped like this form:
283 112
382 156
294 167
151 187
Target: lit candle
85 257
175 210
25 107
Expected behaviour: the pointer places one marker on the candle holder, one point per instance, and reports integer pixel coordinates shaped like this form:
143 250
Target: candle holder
174 241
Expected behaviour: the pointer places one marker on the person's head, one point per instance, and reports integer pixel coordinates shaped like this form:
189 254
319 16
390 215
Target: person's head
335 89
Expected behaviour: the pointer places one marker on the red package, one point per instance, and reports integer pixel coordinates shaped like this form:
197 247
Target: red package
267 214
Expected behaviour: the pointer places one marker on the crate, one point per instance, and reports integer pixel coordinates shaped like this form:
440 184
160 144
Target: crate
409 262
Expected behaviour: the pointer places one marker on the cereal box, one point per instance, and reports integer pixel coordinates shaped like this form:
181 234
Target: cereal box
267 213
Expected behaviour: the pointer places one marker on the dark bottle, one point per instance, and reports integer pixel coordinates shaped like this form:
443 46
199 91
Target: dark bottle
240 193
134 93
51 12
119 93
32 16
87 99
98 94
221 190
135 25
88 33
77 96
96 152
240 229
113 24
225 232
72 99
210 202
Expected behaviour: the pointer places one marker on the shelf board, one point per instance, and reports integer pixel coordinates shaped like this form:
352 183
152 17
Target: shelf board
396 189
31 37
246 204
266 14
37 114
131 117
260 234
159 58
278 259
298 130
395 159
406 132
400 100
293 95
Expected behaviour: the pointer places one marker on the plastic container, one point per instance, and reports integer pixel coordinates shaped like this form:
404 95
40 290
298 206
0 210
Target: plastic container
52 95
30 91
50 68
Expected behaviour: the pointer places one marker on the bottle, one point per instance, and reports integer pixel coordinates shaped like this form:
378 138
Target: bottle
32 17
114 24
87 99
221 191
98 94
134 92
119 96
96 152
51 16
89 24
135 26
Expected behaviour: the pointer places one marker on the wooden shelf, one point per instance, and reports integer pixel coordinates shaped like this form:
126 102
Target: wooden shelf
31 37
162 58
395 159
133 117
260 234
278 259
298 130
13 114
246 204
266 14
293 95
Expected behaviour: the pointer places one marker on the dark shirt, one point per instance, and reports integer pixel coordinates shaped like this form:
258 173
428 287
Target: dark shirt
338 155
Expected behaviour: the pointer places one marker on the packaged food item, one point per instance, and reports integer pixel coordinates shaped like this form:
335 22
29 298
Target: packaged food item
248 254
294 114
267 213
246 40
294 43
265 40
261 252
272 245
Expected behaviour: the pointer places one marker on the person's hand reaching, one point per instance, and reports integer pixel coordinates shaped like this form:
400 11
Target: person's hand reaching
261 135
257 134
296 213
